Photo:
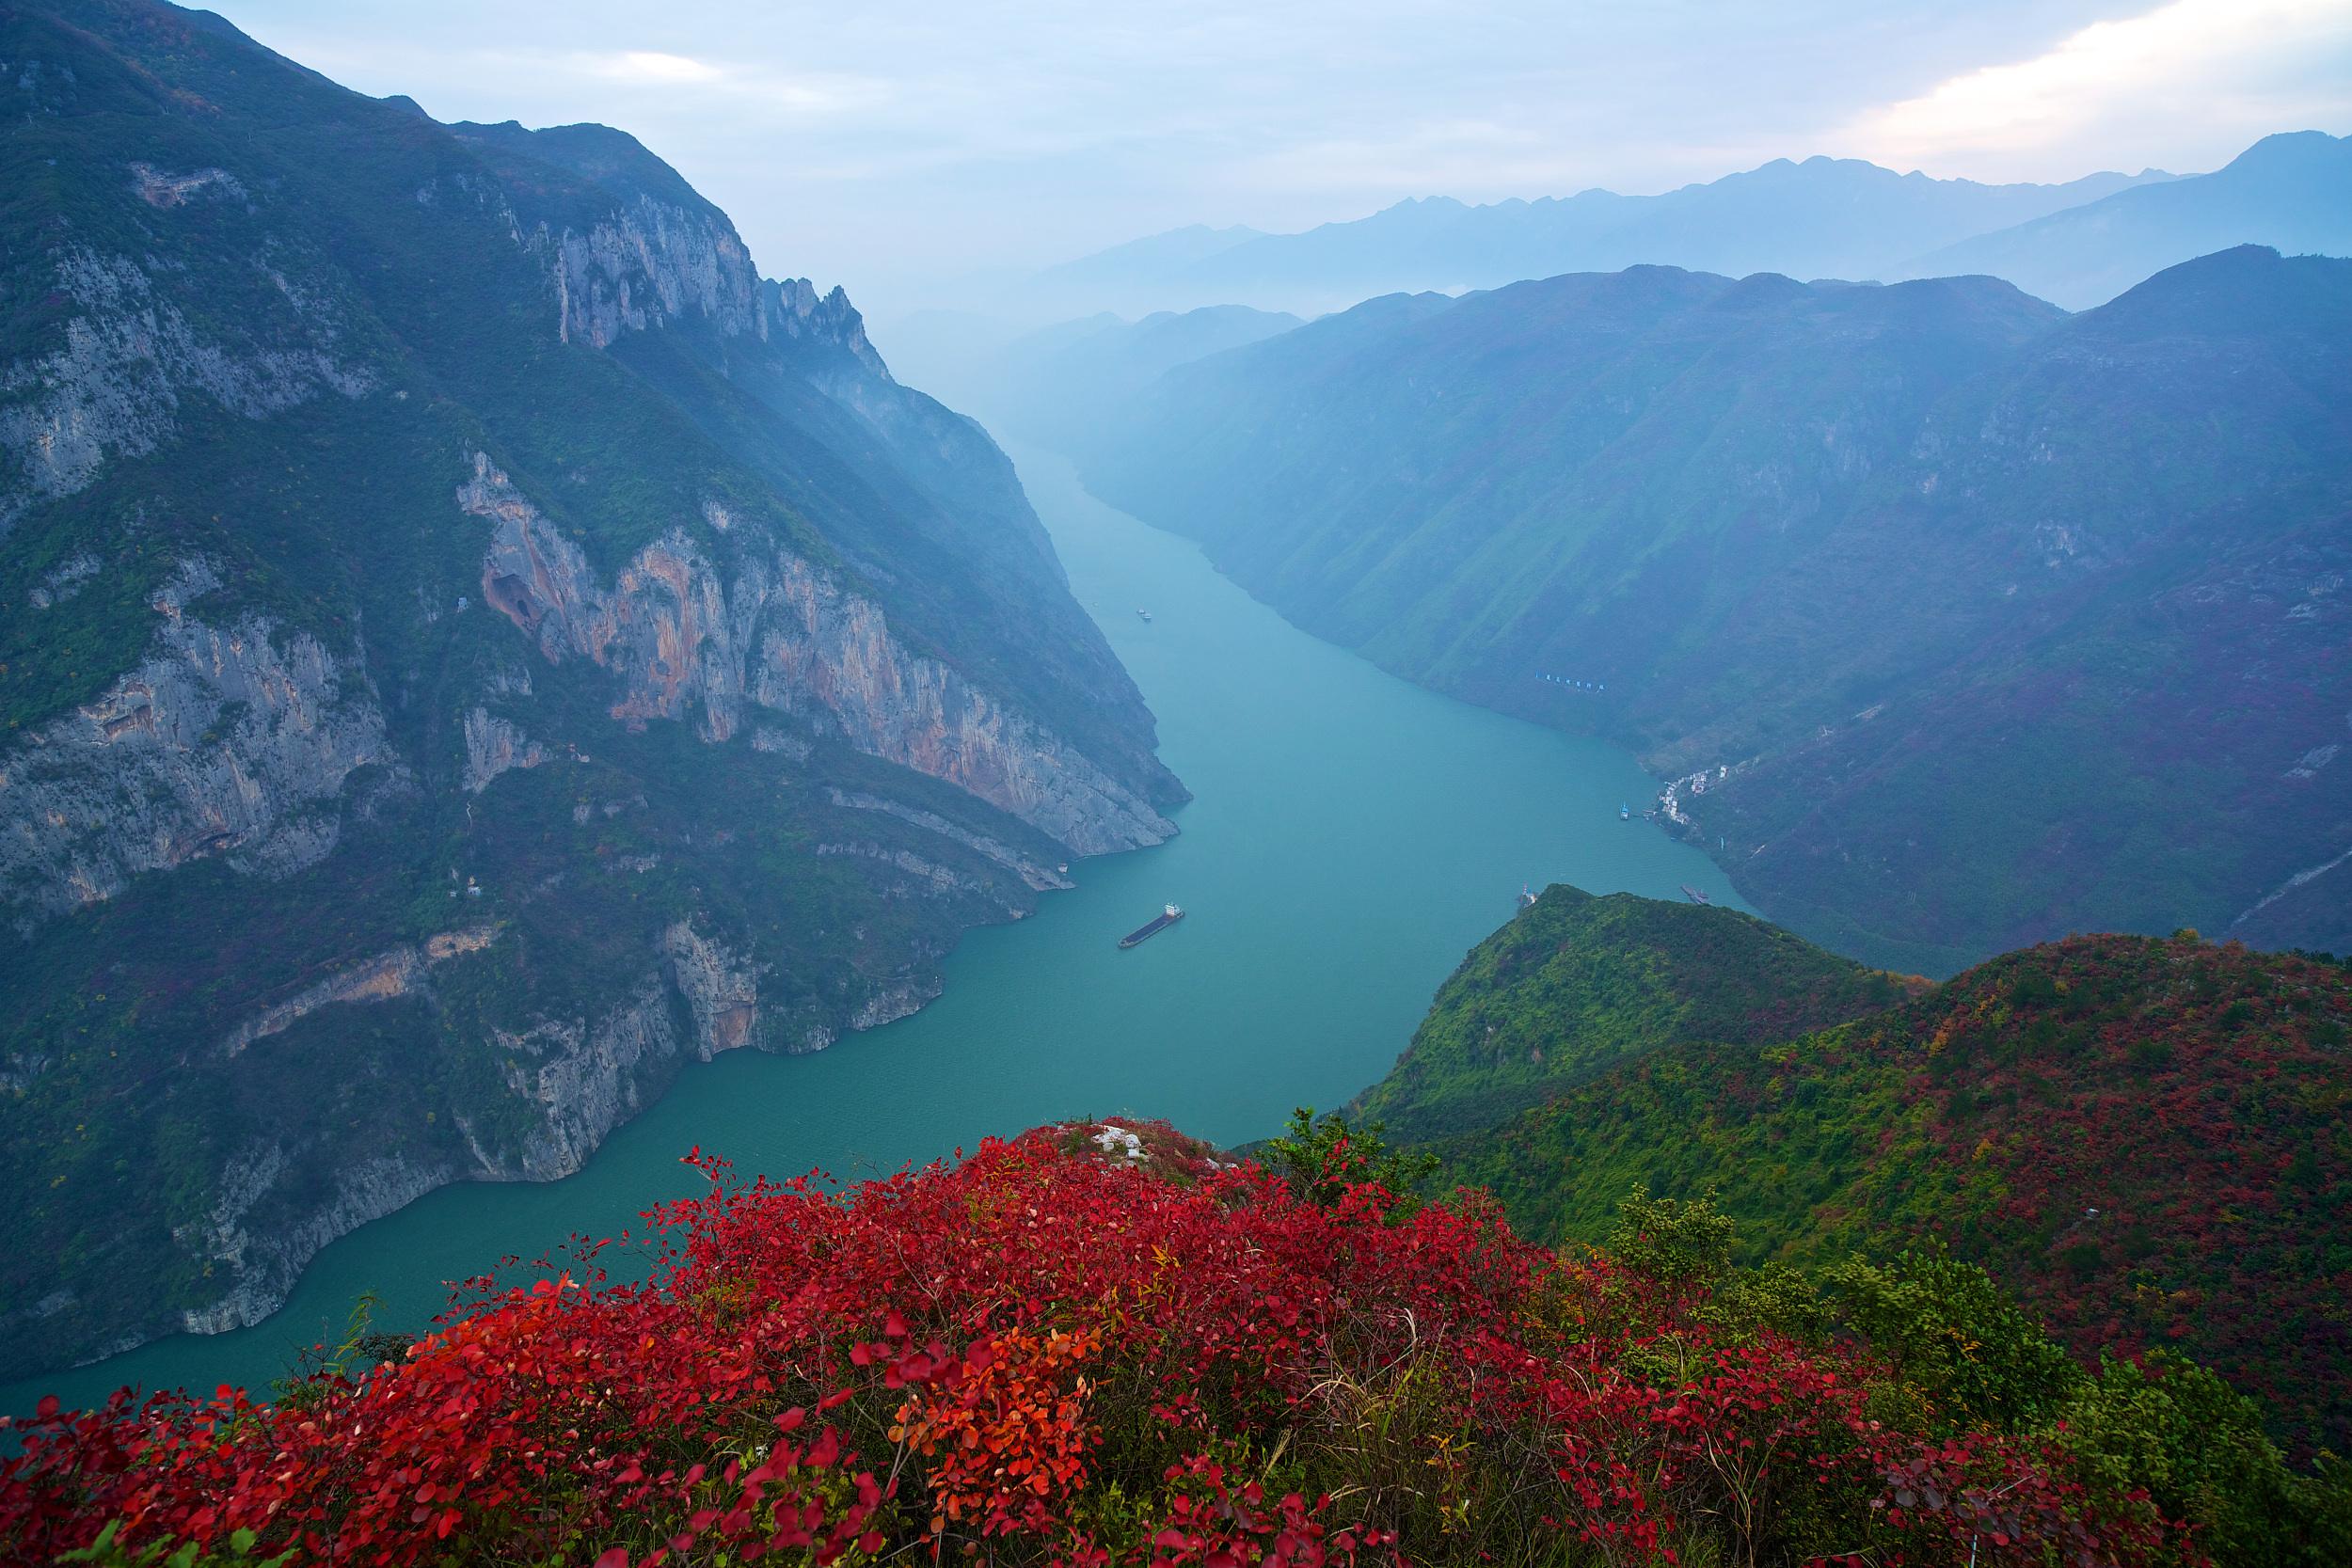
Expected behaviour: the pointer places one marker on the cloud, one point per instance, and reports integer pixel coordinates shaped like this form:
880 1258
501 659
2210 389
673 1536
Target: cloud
2253 66
647 66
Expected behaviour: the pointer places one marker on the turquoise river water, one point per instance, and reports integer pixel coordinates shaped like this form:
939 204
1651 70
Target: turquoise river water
1351 835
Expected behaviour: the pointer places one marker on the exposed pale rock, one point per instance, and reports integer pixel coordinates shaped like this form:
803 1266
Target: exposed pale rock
263 1265
1038 876
654 262
584 1078
382 978
589 1079
797 311
943 878
720 986
780 744
895 1002
787 636
493 746
152 774
159 188
113 390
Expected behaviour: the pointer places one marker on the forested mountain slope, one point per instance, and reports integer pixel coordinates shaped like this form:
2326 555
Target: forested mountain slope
468 645
2145 1139
1959 623
1578 984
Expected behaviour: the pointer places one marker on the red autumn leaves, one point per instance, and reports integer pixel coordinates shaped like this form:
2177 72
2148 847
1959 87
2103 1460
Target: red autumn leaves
1048 1356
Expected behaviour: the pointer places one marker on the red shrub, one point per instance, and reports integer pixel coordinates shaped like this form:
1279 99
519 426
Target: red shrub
1002 1335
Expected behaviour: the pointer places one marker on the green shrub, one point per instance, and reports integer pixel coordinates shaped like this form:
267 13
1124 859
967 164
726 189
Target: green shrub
1955 1337
2197 1448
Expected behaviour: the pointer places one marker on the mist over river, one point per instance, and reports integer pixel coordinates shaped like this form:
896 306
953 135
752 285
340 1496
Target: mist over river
1351 836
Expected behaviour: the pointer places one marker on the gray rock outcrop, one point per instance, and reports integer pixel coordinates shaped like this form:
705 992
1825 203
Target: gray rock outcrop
787 636
223 740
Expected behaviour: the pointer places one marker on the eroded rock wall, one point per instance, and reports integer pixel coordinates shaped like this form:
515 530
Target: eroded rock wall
222 742
581 1077
112 389
787 635
652 263
260 1261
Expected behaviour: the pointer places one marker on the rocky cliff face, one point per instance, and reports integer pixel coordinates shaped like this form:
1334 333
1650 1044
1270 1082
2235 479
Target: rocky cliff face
654 265
580 1076
828 322
224 742
467 648
105 382
261 1260
788 637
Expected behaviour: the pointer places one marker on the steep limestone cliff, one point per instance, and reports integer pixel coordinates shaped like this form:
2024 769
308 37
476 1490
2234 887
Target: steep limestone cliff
110 383
469 648
827 322
658 263
222 742
787 636
262 1260
495 745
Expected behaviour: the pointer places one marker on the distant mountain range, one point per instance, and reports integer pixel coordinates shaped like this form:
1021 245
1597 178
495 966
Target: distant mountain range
1057 387
1824 217
1958 622
2076 245
2293 193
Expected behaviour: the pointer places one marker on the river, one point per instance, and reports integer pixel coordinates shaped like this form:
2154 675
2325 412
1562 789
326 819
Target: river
1351 835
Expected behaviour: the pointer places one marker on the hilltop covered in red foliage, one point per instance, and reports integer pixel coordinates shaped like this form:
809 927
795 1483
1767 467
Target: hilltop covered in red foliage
1095 1344
2146 1141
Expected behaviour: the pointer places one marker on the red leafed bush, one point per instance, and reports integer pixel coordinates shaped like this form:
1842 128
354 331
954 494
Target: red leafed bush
1070 1348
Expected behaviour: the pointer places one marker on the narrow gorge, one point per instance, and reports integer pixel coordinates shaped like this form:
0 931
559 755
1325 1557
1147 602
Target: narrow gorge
470 647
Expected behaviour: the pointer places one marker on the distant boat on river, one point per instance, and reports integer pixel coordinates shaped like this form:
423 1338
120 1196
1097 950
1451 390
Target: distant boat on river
1694 895
1144 614
1170 917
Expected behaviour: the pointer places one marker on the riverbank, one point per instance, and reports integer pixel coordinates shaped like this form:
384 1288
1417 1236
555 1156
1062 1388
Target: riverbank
1351 836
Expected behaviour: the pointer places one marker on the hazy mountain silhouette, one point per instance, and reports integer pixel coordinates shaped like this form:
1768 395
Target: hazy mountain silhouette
2291 192
1822 218
1056 385
1962 622
1147 259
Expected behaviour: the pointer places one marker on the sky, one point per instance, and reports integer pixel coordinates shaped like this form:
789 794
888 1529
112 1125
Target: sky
895 144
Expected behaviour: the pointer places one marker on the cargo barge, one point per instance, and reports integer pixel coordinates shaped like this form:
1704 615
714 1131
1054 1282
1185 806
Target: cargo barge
1170 917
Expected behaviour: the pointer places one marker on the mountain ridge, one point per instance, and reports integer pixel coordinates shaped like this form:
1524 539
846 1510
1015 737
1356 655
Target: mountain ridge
1818 554
2137 1136
1578 984
1815 218
470 647
2291 192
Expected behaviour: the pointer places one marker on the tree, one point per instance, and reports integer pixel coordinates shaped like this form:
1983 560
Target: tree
1321 1160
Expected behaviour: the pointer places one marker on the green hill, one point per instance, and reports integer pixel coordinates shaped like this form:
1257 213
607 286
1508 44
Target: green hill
1576 985
2147 1140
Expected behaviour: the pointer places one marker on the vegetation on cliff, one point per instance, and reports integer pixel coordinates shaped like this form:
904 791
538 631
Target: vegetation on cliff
2145 1140
1577 984
1099 1344
285 367
1962 622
